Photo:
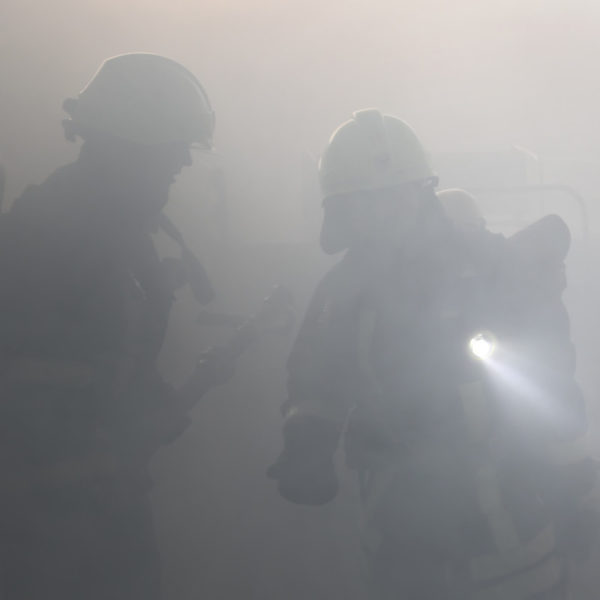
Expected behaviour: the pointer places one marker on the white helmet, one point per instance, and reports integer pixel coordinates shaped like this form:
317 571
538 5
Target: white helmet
372 151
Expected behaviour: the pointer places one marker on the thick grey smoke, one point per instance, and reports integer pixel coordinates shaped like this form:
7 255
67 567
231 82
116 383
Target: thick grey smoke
468 75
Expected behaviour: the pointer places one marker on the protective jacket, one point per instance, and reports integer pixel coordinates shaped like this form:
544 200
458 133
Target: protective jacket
453 455
84 303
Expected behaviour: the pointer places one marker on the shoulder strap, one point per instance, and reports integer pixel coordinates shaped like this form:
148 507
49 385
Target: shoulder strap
194 270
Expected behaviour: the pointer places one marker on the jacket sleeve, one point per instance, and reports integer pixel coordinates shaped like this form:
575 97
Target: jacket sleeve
323 379
321 390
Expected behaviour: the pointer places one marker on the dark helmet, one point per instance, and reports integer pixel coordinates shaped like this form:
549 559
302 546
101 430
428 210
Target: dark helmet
143 98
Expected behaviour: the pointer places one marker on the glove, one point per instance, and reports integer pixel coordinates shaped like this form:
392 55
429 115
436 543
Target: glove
304 471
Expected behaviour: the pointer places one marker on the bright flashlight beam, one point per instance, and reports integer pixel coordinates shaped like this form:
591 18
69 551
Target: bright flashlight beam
482 346
522 394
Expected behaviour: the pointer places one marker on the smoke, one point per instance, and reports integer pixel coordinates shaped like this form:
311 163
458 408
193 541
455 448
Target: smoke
467 75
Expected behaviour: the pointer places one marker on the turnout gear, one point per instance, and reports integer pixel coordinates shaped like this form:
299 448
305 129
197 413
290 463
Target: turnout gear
84 306
372 151
442 470
145 99
84 310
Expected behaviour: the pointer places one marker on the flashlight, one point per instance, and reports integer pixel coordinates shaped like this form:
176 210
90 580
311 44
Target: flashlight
482 345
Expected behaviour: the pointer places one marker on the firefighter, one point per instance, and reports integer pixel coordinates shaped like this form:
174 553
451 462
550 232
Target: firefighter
462 210
406 353
84 304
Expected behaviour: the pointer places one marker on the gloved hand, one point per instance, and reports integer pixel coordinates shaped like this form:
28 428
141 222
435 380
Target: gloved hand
304 470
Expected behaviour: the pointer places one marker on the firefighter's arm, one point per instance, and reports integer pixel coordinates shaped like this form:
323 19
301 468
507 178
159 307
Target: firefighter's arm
314 414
